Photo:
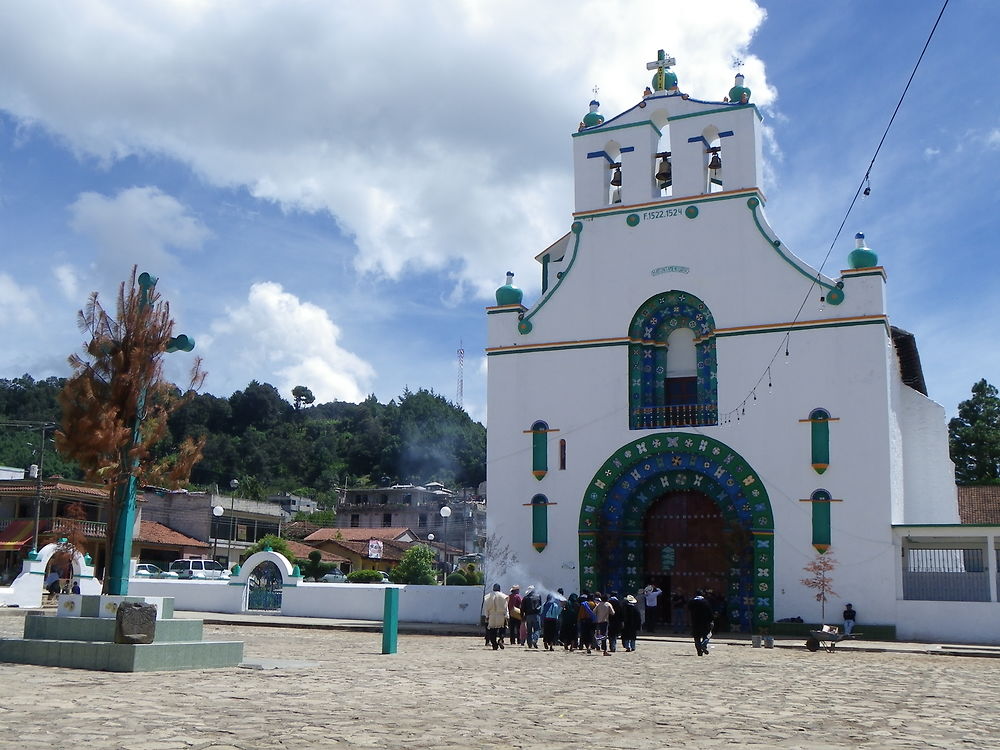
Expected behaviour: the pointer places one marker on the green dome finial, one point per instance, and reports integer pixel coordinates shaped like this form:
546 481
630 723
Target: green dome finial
739 94
862 256
509 294
664 79
593 118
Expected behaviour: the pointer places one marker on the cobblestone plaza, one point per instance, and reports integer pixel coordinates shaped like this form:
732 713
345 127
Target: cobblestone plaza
333 688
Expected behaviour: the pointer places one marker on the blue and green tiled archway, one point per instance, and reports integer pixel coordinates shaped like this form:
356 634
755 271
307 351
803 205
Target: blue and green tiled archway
651 326
617 498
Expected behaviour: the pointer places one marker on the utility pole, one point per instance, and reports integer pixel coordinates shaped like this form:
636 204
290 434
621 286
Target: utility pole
40 470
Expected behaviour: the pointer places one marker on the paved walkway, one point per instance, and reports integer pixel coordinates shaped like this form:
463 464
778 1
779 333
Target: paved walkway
334 688
426 628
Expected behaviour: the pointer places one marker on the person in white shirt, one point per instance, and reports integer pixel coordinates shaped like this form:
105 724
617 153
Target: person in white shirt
652 595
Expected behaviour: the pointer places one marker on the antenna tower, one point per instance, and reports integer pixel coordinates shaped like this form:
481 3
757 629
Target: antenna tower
461 377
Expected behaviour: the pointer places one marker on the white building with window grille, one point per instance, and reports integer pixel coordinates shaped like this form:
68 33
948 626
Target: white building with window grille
689 404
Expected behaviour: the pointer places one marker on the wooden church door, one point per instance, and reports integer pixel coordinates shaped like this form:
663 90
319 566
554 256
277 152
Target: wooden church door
689 546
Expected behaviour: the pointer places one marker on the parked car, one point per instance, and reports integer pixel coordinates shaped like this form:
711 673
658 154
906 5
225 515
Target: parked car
334 576
198 568
148 570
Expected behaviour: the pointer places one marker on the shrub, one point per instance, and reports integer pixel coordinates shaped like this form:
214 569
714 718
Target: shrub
457 579
364 576
472 576
417 566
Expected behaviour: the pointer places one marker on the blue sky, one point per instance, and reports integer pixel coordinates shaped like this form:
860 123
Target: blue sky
330 192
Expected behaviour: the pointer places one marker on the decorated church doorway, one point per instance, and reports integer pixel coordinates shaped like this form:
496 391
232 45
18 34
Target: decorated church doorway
684 512
689 546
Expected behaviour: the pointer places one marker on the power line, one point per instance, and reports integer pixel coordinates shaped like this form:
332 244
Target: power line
864 186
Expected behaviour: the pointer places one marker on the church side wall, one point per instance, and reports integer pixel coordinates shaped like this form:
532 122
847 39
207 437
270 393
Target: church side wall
929 474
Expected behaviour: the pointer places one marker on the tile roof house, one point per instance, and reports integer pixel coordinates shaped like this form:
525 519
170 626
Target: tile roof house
393 533
979 504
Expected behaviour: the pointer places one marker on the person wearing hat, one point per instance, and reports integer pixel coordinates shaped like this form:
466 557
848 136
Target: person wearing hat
850 615
631 622
514 615
495 610
615 623
702 620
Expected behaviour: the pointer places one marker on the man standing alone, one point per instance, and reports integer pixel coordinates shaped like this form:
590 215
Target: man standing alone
701 616
652 594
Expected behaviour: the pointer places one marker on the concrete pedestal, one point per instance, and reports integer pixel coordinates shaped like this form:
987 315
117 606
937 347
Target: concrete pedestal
82 637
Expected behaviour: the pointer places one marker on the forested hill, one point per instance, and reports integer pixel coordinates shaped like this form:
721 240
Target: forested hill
257 435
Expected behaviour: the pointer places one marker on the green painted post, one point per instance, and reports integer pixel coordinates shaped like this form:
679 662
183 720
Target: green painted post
390 620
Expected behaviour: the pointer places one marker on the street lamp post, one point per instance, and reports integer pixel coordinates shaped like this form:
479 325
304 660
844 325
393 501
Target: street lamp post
445 512
121 543
233 486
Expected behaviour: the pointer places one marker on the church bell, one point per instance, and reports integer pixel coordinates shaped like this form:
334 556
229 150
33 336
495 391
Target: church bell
616 178
715 162
664 173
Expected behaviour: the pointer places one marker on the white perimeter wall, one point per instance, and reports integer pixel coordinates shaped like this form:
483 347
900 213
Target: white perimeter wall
947 622
342 601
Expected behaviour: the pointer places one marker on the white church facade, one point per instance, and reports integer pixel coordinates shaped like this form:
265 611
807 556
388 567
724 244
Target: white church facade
691 405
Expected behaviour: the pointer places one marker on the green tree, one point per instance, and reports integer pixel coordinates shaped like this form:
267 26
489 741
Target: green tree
302 395
975 437
416 567
276 543
314 567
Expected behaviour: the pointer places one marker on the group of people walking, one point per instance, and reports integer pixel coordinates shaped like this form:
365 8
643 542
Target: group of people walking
585 622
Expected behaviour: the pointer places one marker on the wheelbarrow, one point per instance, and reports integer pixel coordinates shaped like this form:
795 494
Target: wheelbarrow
828 637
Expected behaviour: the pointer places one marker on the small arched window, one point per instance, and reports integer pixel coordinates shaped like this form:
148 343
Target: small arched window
672 363
562 454
819 428
539 521
539 449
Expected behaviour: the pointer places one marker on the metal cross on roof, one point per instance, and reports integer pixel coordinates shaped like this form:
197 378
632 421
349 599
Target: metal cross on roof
663 60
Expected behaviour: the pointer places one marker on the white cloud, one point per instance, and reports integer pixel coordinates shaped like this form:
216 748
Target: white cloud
436 133
993 138
68 281
278 338
931 151
19 305
137 226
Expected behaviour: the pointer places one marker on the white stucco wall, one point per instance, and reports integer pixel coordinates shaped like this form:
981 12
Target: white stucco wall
929 474
888 448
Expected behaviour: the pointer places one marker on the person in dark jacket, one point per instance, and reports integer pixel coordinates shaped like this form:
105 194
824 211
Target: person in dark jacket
631 622
702 619
567 623
615 624
531 613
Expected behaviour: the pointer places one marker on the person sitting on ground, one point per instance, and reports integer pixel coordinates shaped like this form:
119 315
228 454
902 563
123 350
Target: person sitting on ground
52 584
850 615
